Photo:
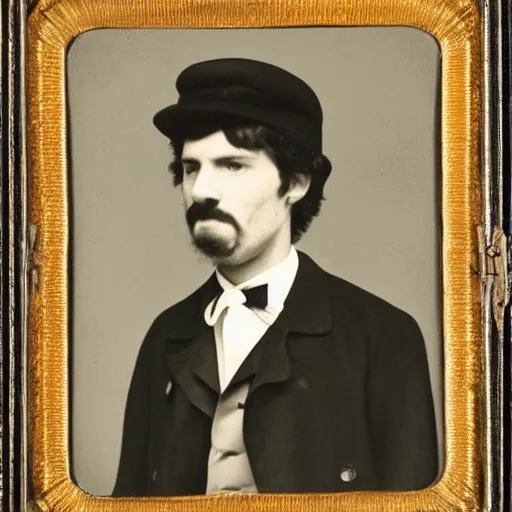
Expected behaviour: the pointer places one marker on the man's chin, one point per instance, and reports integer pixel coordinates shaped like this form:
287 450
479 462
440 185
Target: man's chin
214 248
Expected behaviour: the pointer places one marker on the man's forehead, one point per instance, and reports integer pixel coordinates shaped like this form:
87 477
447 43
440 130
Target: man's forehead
215 145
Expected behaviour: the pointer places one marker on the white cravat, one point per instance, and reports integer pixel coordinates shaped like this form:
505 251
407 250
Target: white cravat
238 328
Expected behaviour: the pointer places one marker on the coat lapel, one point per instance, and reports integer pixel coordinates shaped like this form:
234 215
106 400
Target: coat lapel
274 365
191 354
307 310
267 362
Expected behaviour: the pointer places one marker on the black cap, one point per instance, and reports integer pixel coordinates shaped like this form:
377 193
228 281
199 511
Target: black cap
249 89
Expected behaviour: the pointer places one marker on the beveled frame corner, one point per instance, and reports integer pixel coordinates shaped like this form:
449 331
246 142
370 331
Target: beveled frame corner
456 24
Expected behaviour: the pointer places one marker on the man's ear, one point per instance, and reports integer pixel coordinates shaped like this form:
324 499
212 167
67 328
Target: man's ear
299 186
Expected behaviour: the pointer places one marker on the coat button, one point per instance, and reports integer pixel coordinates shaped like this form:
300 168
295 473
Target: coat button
154 475
348 474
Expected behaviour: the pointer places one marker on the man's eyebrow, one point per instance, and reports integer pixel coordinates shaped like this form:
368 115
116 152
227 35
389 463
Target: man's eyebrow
228 158
217 160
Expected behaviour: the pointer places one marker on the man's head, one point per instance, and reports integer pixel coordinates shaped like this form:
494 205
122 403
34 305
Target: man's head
246 138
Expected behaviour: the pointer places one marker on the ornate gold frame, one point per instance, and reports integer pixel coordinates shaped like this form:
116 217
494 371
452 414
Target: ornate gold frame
456 24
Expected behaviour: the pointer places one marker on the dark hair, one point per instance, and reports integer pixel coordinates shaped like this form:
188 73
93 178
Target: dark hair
290 156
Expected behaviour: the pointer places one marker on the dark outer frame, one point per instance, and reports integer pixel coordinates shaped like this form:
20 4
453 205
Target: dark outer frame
496 247
15 244
12 187
506 18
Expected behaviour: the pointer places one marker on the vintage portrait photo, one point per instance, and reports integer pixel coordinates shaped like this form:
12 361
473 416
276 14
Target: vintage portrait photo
256 292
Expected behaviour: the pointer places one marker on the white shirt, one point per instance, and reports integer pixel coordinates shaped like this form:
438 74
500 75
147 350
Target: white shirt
238 328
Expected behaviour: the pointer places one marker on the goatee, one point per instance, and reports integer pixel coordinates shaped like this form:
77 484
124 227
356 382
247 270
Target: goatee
212 247
209 243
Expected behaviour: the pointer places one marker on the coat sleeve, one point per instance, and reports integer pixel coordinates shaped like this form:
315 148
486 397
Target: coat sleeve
132 470
400 409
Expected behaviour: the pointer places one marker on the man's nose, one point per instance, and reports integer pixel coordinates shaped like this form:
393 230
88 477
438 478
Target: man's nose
205 186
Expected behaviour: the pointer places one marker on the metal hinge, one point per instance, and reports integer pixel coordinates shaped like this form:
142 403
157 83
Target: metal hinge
494 266
32 268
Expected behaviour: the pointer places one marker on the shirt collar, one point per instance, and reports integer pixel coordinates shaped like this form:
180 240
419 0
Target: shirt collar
279 278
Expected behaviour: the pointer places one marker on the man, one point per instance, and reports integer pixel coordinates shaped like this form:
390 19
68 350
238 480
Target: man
274 376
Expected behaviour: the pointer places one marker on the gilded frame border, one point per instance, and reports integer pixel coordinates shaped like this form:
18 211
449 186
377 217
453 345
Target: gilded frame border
456 24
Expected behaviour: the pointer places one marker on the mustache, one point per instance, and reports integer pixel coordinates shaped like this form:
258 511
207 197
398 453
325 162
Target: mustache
208 211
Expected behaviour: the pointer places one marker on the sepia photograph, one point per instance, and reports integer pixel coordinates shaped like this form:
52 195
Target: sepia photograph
255 260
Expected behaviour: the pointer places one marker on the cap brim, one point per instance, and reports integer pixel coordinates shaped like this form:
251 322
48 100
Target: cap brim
173 120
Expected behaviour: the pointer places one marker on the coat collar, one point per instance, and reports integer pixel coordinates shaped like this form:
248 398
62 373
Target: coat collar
191 353
307 308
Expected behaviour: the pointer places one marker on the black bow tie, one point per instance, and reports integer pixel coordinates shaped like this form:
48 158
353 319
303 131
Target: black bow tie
256 297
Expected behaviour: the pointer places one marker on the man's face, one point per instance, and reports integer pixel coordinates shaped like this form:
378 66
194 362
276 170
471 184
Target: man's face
234 210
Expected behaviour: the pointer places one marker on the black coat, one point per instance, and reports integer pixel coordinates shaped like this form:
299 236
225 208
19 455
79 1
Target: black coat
340 398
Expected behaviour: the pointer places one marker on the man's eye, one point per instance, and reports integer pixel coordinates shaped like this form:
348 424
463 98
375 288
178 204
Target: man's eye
234 166
189 169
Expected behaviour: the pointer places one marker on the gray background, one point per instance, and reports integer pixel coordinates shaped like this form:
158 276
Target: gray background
380 225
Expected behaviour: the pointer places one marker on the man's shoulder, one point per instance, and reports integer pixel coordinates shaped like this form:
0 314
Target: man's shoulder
361 315
360 298
360 304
